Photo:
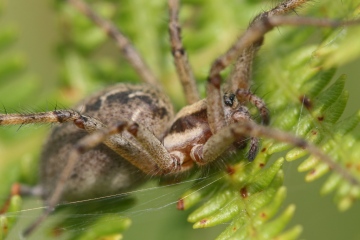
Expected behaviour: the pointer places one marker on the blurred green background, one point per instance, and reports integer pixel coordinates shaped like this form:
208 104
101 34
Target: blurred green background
42 84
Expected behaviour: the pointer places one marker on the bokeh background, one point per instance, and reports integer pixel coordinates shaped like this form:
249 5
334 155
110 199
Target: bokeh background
41 83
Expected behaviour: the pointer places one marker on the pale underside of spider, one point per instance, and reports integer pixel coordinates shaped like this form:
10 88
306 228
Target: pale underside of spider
120 136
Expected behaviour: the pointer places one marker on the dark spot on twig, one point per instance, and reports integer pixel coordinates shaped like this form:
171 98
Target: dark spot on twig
306 101
178 52
57 231
230 170
313 132
203 221
180 204
243 192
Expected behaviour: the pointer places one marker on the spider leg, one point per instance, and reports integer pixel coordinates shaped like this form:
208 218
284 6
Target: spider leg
257 102
123 43
254 148
240 76
144 150
183 67
259 28
84 144
130 140
219 142
244 51
252 37
213 151
56 116
99 132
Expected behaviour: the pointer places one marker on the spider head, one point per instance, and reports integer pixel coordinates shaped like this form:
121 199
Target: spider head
234 110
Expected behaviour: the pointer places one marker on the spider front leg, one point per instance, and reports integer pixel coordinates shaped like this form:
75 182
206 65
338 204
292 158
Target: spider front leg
244 51
240 77
247 96
252 39
219 142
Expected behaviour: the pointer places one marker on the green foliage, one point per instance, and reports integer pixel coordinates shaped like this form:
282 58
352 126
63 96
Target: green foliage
8 221
295 71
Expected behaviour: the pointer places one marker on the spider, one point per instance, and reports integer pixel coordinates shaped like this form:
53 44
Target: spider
118 137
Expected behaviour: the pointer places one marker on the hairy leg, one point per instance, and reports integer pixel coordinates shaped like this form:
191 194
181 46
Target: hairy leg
218 143
182 65
240 77
254 34
143 149
123 43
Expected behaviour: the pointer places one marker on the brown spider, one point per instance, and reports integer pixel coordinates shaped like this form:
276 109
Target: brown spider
119 136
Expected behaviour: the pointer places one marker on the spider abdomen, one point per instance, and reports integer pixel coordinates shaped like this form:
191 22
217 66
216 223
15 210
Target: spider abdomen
101 171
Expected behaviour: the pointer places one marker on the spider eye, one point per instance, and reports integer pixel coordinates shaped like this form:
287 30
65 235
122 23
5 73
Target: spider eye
229 99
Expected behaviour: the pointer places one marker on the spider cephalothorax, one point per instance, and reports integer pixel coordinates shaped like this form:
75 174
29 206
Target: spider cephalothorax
120 136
